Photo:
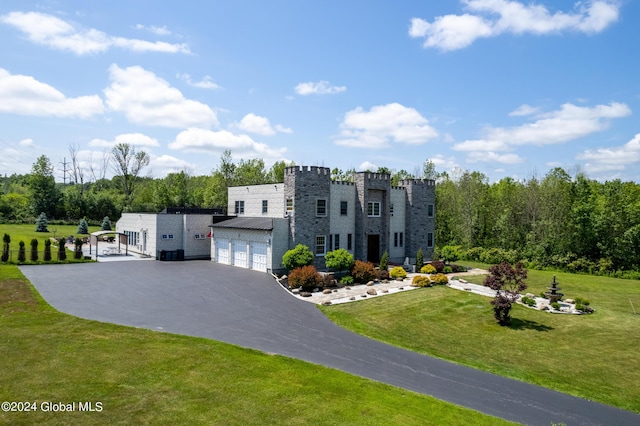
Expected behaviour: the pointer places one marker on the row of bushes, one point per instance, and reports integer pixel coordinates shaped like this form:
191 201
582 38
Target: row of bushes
34 254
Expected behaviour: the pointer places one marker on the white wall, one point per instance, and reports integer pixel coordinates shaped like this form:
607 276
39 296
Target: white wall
397 224
252 195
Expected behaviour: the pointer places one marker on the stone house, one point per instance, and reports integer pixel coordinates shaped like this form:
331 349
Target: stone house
365 217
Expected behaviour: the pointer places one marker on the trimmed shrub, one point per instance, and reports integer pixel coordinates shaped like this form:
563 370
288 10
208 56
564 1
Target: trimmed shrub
421 281
383 275
77 253
363 272
458 268
346 280
6 240
397 272
428 269
581 301
34 250
297 257
47 250
62 252
22 254
339 260
384 261
447 269
450 253
556 306
473 253
528 301
438 265
306 277
440 279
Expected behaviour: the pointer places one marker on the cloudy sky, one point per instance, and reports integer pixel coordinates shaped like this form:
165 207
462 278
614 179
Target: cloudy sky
508 88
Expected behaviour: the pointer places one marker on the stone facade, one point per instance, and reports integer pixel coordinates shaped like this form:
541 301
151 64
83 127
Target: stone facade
366 217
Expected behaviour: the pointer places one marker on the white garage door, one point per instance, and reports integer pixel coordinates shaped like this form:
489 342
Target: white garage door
222 251
239 253
258 256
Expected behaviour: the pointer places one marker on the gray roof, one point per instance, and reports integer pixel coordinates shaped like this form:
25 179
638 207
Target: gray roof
260 223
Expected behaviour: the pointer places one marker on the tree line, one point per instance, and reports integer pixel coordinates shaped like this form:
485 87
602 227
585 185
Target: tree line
558 220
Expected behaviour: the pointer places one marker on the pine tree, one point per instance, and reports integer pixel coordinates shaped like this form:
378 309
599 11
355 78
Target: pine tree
419 259
41 223
106 224
5 247
22 254
77 254
83 227
47 250
384 261
62 253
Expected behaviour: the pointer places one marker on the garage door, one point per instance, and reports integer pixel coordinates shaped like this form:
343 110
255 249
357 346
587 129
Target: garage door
239 253
222 251
258 256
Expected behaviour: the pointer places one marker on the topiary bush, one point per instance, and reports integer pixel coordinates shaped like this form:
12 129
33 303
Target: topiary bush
22 254
440 279
398 272
6 240
363 272
556 306
77 253
428 269
62 252
297 257
305 277
34 250
47 251
421 281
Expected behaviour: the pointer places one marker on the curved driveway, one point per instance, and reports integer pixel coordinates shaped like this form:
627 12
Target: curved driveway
201 298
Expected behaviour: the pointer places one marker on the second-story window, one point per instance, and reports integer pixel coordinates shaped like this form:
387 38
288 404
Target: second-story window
343 208
373 209
265 206
430 210
321 207
239 207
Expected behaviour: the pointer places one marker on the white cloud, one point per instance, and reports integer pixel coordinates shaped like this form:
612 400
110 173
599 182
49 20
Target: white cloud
153 29
26 143
490 18
481 145
612 159
382 125
168 164
524 110
24 95
206 82
56 33
318 88
216 142
253 123
137 139
492 157
147 99
367 165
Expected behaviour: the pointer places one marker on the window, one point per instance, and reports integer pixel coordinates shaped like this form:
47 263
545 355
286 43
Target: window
398 239
330 242
336 241
289 205
391 209
167 236
239 207
343 208
199 236
430 239
373 209
401 239
395 239
321 247
430 210
349 241
265 206
321 207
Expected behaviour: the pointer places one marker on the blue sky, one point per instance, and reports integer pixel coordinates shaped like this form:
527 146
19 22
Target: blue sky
507 88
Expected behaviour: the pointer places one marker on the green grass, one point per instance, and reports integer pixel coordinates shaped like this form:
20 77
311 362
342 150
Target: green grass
27 232
593 356
146 377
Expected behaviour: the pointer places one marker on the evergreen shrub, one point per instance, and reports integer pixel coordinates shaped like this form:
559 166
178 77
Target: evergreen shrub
397 272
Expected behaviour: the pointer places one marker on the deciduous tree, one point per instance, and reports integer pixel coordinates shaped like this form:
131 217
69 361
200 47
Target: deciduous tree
508 282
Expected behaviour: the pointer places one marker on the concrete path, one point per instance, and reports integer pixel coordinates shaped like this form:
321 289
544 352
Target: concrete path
200 298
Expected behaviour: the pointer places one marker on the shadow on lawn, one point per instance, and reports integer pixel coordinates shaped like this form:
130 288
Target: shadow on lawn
518 324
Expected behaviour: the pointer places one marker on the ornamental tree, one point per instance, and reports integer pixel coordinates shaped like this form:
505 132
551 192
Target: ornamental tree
339 260
41 223
83 227
508 282
297 257
106 224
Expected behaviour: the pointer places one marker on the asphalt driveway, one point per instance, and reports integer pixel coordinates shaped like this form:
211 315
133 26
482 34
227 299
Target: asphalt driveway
246 308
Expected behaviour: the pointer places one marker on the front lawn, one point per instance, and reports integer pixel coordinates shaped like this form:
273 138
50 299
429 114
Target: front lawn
145 377
593 356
